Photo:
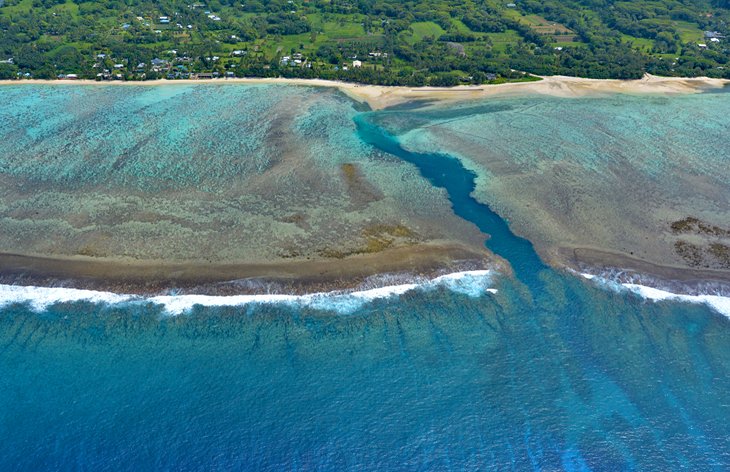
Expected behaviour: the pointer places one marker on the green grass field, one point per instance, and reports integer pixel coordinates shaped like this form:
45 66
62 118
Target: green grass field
423 30
641 43
501 40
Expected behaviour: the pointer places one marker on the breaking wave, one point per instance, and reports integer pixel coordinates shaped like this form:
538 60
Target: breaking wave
718 302
472 283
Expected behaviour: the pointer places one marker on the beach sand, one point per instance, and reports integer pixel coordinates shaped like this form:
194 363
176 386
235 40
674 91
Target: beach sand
379 97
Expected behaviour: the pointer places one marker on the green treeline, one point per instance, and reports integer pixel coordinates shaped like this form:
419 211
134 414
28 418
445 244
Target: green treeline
426 42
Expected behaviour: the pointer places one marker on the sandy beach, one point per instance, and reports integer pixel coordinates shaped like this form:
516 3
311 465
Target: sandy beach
379 97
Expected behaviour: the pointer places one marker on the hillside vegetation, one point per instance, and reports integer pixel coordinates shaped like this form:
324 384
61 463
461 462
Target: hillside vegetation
426 42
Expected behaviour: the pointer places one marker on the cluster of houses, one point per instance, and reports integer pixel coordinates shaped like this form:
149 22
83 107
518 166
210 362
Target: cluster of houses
118 69
357 63
711 36
296 59
175 68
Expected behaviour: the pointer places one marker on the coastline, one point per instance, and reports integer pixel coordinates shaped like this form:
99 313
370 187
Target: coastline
152 278
631 272
379 97
719 303
472 283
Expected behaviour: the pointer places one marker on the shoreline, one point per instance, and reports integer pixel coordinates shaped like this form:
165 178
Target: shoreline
379 97
625 269
304 277
290 277
464 279
472 283
720 303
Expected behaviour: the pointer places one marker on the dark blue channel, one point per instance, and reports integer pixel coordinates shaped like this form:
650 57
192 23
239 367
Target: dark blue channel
447 172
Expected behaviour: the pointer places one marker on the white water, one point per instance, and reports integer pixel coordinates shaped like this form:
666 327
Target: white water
472 283
720 304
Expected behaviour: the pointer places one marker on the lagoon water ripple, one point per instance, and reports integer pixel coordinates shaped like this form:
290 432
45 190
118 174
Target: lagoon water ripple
541 371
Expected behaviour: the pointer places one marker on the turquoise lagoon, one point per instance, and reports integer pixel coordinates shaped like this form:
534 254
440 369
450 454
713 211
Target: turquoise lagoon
539 370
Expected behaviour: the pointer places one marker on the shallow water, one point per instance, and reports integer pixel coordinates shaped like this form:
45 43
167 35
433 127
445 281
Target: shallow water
547 371
209 173
606 172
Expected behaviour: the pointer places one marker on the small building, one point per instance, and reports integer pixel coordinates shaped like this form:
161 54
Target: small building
702 45
164 20
356 64
714 40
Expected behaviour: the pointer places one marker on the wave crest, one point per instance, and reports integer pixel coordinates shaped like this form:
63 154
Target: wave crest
471 283
719 303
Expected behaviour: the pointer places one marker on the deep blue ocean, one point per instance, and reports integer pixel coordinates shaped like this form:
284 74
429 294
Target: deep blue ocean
550 372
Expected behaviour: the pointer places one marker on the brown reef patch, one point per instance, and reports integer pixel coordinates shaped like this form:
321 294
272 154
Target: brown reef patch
360 191
702 244
378 238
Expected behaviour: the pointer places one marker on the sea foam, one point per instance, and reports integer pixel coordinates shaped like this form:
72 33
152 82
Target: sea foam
720 304
471 283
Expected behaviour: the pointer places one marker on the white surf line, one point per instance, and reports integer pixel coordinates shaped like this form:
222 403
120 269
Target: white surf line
718 303
472 283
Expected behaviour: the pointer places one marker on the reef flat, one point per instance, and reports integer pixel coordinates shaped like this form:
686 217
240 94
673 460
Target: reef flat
602 183
141 186
186 185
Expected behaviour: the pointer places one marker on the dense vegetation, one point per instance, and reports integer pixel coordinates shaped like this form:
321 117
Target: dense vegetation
434 42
